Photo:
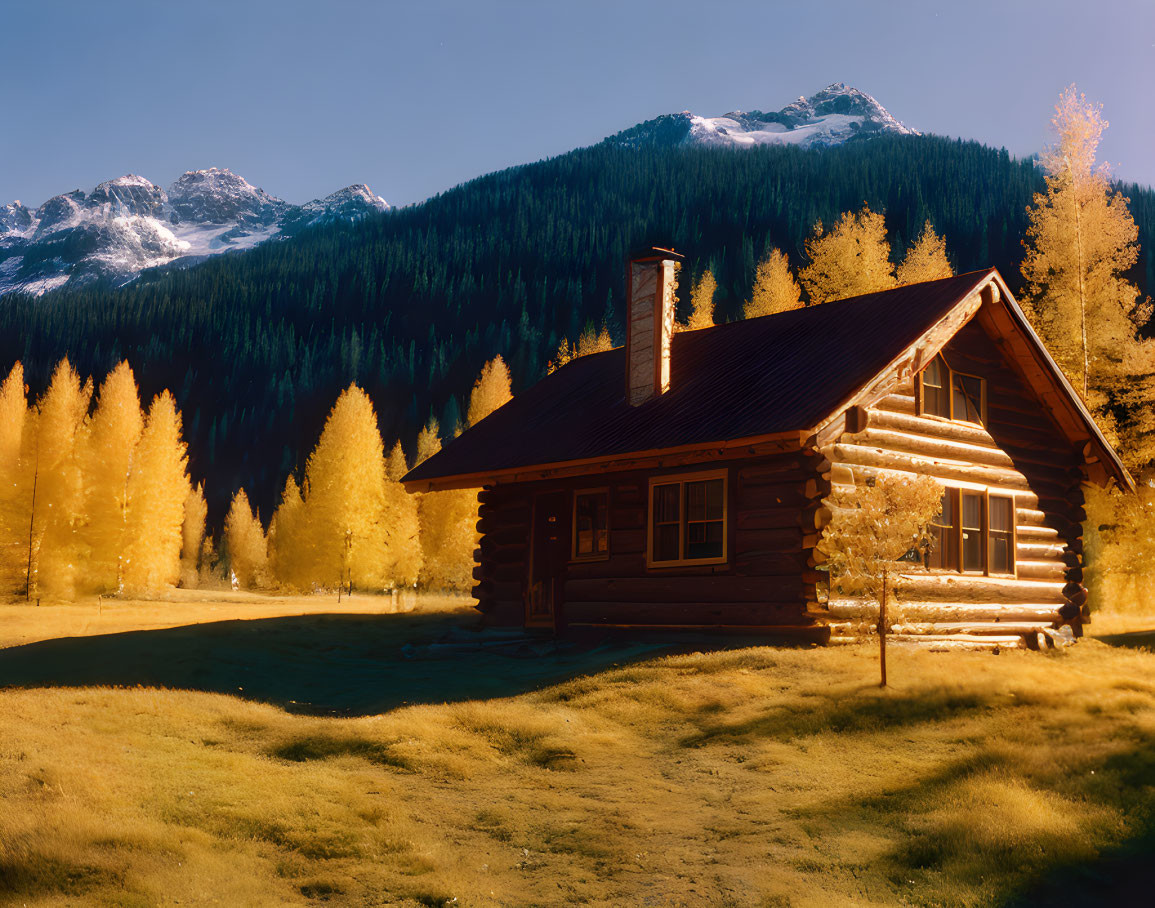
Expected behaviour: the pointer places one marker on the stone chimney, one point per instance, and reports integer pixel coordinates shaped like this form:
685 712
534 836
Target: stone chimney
649 323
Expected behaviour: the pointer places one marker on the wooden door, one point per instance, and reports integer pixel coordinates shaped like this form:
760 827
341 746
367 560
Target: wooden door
548 557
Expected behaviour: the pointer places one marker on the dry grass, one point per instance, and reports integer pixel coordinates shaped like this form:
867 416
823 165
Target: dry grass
750 776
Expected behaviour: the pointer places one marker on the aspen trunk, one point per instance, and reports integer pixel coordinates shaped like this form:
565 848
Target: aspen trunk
882 630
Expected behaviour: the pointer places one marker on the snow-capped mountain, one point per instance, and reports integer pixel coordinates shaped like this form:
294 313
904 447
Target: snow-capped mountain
128 224
832 116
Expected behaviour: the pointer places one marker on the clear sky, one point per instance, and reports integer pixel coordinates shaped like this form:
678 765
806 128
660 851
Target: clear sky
302 98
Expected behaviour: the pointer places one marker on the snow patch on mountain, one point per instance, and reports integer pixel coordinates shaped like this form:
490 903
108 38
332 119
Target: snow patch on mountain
128 224
836 114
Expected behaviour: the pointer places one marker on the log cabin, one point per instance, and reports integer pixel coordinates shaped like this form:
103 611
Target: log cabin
680 482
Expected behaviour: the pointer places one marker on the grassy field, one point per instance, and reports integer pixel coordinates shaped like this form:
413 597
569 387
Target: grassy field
296 757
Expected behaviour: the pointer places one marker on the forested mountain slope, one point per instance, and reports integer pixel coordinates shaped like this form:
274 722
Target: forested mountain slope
410 304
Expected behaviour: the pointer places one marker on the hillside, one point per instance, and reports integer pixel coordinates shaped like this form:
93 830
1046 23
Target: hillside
411 303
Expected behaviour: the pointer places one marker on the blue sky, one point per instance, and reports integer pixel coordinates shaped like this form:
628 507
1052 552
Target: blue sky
302 98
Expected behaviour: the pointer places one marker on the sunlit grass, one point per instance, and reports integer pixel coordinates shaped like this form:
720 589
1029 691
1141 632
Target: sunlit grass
739 777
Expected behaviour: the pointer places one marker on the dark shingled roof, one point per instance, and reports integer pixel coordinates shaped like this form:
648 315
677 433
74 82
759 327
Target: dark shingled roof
755 377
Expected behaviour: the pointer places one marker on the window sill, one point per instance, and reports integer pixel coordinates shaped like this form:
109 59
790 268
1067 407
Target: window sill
686 562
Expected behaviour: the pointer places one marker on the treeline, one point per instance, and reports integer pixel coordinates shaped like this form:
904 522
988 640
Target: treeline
256 346
95 498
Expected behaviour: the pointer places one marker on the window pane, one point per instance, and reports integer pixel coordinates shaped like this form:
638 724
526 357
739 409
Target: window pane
666 502
704 540
944 535
590 513
972 550
972 531
1000 514
1001 554
968 396
934 373
972 511
935 393
666 542
695 501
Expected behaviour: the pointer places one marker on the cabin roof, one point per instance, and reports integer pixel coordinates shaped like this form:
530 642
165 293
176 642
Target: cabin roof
766 376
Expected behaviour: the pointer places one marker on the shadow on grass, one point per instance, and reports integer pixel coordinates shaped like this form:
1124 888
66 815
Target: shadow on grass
1123 876
1134 639
327 664
817 715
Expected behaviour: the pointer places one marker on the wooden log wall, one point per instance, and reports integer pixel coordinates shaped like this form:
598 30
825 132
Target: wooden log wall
775 514
1021 452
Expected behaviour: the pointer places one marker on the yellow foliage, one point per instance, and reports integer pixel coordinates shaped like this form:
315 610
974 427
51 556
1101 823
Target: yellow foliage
428 441
59 487
286 539
395 465
490 391
775 289
402 558
1080 243
13 516
157 490
925 260
345 496
702 302
116 427
873 527
592 341
448 537
852 259
245 541
193 536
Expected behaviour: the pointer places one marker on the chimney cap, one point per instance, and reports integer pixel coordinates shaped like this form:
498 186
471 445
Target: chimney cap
654 253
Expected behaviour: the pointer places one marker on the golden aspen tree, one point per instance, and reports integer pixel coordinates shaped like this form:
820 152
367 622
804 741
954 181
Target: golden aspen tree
925 260
285 539
402 554
115 432
13 529
246 544
852 259
428 441
702 302
872 528
592 341
490 391
564 354
775 289
345 497
395 465
158 487
56 547
1081 241
448 527
193 536
403 564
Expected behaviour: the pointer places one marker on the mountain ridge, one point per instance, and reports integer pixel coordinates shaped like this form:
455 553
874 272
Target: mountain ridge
127 224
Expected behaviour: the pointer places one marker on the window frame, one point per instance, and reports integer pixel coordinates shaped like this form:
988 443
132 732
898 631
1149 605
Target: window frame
574 555
1013 535
680 479
957 530
920 403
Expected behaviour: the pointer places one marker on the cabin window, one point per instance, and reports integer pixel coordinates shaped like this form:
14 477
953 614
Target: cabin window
944 534
688 519
949 394
974 533
935 389
591 525
1002 534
